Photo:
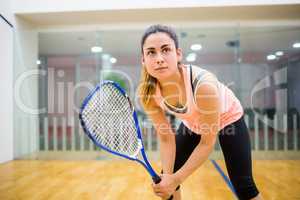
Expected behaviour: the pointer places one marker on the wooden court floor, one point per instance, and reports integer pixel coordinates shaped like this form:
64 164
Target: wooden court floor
117 180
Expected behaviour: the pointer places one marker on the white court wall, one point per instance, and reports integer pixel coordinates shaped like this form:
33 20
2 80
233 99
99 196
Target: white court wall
18 54
6 84
6 9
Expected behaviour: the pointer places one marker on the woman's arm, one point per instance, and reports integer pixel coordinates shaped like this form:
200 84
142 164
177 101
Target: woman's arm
165 135
208 104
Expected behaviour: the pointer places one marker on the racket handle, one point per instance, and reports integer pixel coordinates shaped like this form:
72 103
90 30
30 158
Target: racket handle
156 179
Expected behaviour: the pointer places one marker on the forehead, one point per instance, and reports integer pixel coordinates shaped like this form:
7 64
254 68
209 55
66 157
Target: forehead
156 40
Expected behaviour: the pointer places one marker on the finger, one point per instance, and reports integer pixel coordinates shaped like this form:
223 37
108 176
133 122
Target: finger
155 186
164 196
157 190
160 194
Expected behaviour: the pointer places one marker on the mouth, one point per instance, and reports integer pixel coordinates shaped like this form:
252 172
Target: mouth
161 68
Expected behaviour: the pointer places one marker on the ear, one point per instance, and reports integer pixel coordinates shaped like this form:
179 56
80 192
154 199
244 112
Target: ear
142 60
179 54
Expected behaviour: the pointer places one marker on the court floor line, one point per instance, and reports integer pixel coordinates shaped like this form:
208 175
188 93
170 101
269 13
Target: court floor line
225 178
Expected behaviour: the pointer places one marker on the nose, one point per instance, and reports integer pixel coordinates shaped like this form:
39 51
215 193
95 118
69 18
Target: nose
159 59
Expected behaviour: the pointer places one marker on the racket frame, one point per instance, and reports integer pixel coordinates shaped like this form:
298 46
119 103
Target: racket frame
141 149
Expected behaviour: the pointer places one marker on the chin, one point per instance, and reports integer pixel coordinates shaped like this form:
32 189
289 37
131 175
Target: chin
163 76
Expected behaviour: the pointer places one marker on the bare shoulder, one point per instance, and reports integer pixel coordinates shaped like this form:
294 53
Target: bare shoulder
202 74
204 81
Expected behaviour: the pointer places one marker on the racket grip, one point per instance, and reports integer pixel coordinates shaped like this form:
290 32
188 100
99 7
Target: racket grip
156 179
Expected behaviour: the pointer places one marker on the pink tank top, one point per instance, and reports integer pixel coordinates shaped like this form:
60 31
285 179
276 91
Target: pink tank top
231 109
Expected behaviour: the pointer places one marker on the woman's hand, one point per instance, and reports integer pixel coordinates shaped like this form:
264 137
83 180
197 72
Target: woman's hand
166 187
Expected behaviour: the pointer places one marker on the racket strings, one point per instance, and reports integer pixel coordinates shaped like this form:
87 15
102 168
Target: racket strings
108 117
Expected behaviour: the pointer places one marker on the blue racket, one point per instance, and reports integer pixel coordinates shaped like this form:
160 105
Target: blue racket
108 118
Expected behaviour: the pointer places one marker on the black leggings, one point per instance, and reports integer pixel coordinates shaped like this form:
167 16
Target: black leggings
235 143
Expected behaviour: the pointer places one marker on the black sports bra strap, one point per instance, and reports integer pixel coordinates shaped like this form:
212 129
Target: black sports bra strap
191 78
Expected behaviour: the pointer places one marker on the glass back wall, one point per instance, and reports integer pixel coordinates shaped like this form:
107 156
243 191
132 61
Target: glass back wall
260 64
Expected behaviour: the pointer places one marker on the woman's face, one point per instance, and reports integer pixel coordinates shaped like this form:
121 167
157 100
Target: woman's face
160 56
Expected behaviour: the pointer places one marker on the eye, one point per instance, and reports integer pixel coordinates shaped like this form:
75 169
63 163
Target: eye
150 52
166 50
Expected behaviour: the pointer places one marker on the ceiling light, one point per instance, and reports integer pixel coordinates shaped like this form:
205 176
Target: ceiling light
196 47
38 62
113 60
271 57
296 45
279 53
96 49
191 57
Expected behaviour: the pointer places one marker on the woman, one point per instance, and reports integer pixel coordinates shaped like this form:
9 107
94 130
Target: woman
207 109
